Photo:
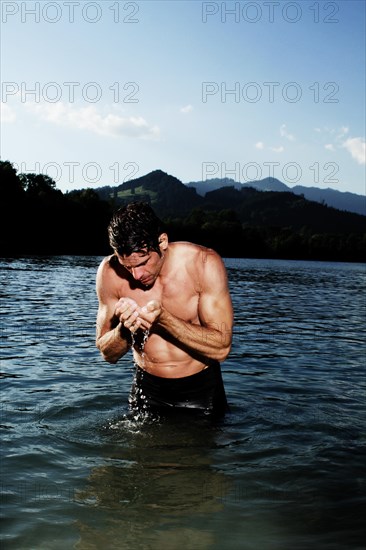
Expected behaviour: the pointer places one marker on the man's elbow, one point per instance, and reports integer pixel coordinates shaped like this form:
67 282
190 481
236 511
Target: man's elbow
108 357
222 353
226 342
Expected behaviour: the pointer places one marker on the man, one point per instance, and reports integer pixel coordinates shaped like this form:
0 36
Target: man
169 302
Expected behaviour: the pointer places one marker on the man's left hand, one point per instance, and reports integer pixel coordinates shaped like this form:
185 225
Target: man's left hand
149 314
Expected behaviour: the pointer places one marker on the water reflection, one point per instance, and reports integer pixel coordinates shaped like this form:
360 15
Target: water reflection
157 475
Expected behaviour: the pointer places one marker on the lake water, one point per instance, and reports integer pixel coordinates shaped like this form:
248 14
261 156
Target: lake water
285 469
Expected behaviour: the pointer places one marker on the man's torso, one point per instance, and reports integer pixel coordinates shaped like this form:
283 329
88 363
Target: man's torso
178 289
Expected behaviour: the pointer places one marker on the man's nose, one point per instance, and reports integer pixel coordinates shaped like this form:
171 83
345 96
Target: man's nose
137 273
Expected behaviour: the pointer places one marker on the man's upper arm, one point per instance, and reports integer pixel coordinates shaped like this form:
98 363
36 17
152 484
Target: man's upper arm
215 306
107 299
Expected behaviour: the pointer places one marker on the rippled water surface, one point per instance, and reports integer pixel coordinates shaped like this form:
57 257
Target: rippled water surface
285 470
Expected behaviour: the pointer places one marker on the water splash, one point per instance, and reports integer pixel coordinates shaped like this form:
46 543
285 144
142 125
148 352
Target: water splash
138 344
140 414
144 340
132 423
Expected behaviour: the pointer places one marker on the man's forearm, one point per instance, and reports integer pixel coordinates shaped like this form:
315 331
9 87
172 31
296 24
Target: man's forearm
210 342
114 344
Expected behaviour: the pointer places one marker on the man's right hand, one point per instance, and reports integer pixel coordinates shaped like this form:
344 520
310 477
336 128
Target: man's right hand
127 311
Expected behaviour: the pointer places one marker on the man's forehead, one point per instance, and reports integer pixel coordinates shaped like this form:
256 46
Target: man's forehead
135 258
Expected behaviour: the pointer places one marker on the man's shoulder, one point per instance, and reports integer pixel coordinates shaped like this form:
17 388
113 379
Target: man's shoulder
108 262
108 267
110 279
195 257
191 249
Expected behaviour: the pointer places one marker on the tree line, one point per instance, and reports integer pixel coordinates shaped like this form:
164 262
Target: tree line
38 219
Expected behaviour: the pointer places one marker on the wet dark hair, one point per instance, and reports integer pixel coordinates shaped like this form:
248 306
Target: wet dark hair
135 228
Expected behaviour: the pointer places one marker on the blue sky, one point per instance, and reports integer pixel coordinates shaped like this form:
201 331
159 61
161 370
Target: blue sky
96 93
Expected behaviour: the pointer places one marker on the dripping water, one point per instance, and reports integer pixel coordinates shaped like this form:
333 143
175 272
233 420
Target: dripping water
139 344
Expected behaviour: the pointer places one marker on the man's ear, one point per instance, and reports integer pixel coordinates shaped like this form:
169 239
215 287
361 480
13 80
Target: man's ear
163 242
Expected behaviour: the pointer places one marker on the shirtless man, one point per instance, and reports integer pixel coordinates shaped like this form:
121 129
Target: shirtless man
170 303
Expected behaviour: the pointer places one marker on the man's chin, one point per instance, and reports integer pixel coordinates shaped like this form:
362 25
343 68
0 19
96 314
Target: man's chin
148 283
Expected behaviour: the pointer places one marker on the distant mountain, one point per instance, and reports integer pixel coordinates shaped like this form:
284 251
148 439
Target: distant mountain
350 202
343 200
165 193
172 199
285 209
268 184
203 187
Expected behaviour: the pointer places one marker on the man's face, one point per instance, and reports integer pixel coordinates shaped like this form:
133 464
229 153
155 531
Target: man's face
144 266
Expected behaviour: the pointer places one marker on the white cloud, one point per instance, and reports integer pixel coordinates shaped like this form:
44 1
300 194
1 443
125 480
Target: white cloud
329 146
284 133
7 114
335 133
357 148
88 118
260 146
187 109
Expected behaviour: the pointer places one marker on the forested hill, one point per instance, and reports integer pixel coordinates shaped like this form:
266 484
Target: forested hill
37 218
168 195
171 198
342 200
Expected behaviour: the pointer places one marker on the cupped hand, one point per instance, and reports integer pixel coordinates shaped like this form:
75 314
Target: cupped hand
133 317
127 311
149 314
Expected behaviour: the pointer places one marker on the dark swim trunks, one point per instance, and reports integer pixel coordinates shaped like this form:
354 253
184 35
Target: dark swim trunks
203 392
